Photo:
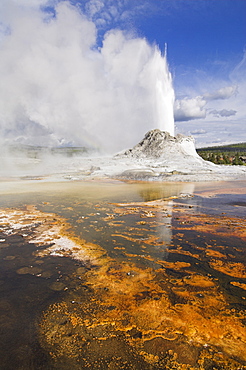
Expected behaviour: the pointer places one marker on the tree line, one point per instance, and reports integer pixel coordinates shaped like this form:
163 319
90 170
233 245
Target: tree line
234 154
223 158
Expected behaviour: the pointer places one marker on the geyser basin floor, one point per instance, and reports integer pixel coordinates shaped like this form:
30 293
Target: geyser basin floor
123 276
158 157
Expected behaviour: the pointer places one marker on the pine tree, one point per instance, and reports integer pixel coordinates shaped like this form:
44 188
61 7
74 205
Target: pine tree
237 161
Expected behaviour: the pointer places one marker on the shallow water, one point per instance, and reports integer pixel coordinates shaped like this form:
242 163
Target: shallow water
163 285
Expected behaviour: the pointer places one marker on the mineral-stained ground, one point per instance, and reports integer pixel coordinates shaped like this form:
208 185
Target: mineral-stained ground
148 301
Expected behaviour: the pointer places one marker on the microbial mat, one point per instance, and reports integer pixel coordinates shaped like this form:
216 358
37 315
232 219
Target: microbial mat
111 275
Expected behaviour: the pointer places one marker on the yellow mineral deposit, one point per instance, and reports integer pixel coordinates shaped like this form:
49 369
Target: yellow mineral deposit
240 285
234 269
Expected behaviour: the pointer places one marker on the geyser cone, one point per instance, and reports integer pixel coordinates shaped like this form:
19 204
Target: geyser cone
160 144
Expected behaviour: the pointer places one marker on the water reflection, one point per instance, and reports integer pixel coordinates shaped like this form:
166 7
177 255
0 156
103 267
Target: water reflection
164 217
150 192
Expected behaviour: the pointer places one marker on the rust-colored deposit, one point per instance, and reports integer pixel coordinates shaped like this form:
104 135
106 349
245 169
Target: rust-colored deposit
177 314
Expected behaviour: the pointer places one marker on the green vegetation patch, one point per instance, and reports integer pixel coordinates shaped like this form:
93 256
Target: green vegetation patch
234 154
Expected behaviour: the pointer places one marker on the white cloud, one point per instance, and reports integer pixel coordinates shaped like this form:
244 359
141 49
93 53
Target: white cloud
223 113
213 131
223 93
108 14
189 109
105 13
239 72
198 132
29 3
57 87
225 121
93 7
193 108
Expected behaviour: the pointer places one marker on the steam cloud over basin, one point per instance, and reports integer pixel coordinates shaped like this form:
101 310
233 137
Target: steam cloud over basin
157 157
64 90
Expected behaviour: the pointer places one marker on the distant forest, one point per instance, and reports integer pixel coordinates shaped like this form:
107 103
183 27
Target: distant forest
234 154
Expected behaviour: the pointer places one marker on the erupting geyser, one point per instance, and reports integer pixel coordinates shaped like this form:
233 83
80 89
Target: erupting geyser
164 95
67 91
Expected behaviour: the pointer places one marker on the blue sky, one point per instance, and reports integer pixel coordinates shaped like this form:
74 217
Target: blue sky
206 41
198 32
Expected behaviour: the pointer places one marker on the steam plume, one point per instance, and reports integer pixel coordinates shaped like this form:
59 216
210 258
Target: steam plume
59 88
